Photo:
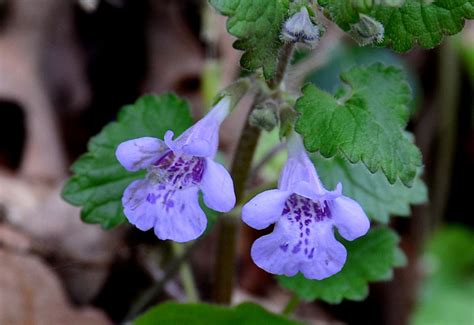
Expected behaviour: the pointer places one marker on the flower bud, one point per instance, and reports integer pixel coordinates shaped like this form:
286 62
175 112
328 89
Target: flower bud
367 31
287 120
265 116
300 29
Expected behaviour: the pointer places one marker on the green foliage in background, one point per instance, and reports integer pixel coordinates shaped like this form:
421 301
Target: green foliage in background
447 293
204 314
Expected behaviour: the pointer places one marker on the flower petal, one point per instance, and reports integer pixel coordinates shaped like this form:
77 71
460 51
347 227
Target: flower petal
265 208
201 139
217 187
309 191
270 255
299 168
349 218
191 144
184 220
136 208
293 248
170 142
139 153
329 257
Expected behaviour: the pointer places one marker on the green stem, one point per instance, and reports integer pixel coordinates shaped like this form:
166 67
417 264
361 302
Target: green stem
286 54
447 110
293 302
228 226
186 275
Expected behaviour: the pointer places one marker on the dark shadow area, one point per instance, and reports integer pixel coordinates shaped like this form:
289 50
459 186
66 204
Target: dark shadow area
12 134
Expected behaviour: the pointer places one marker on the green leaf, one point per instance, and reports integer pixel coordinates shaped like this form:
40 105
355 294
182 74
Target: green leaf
365 122
447 290
370 258
204 314
413 22
98 179
378 197
257 25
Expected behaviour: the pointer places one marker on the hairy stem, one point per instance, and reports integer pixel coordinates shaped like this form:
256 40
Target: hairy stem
228 226
286 54
226 242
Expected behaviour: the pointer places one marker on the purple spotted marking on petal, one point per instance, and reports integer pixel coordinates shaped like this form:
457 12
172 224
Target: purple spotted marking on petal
151 197
284 247
181 171
173 172
297 247
304 212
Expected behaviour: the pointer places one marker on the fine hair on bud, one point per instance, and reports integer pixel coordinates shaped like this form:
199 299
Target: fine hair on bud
367 31
265 116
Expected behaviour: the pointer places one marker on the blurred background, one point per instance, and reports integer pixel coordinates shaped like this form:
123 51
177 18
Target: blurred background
66 68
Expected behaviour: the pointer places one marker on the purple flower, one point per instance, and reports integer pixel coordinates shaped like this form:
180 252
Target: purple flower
305 215
167 199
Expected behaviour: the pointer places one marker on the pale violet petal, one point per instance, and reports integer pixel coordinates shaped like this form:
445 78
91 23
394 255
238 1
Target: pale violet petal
139 153
217 187
219 112
329 257
308 190
300 242
136 208
265 208
269 254
200 148
349 218
299 168
202 139
168 139
182 221
190 144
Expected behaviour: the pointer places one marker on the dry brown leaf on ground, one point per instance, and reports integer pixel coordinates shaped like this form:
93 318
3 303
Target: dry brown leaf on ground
30 293
82 254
